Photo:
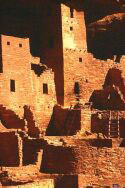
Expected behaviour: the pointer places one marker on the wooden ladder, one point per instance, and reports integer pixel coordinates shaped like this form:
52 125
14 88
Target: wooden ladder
114 129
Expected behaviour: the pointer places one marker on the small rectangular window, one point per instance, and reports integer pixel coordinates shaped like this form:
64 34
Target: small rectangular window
71 13
8 43
71 28
76 88
80 59
12 85
51 42
20 45
45 89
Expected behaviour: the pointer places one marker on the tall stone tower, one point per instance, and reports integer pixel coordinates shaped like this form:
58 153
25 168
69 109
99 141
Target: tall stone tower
74 51
63 47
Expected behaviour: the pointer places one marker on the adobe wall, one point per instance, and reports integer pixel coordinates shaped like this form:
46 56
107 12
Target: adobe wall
28 83
98 160
10 149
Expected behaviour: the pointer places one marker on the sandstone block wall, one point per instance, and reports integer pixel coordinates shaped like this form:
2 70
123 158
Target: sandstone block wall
95 159
17 60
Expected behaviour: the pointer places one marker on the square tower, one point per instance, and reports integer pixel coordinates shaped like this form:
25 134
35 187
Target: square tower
74 52
63 47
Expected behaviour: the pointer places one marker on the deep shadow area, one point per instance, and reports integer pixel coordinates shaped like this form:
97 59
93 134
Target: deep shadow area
122 143
64 122
38 69
100 143
33 130
112 96
10 120
105 38
67 181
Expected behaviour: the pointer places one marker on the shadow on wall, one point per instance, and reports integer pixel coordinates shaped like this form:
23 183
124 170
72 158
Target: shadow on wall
9 150
112 96
10 120
64 122
33 130
67 181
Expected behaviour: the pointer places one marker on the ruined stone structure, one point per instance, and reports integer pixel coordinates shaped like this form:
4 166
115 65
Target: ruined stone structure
62 111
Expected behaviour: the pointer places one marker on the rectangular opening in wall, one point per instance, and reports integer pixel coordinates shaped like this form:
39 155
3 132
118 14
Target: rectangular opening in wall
45 88
8 43
76 88
12 85
51 42
71 13
80 60
20 45
71 28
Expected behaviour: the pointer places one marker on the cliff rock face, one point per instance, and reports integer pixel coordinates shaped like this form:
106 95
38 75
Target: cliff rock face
105 25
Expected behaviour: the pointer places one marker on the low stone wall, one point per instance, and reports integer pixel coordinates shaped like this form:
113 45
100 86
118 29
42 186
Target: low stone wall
46 183
105 162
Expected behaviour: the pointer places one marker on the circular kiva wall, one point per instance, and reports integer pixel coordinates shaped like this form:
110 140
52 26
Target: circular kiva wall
89 157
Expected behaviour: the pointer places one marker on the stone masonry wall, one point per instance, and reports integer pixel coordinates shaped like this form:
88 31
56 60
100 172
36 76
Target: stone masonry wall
98 160
45 183
80 66
16 59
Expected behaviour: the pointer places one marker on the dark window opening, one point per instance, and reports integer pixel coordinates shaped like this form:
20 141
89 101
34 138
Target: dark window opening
12 85
80 59
8 43
71 28
20 45
51 42
76 88
71 13
45 89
